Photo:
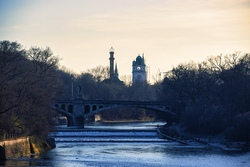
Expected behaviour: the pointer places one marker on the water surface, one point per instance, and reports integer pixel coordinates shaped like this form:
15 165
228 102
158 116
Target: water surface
127 145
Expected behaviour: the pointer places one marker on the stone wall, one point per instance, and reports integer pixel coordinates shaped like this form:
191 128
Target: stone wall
24 147
14 148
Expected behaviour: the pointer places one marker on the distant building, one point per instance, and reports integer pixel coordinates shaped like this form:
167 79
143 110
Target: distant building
139 73
113 71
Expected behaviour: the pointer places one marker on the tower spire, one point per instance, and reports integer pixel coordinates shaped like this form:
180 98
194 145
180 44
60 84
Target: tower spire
116 70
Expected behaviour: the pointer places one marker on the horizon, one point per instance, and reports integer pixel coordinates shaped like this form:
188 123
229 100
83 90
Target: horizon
168 33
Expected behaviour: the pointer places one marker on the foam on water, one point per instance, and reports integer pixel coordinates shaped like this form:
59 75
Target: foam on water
107 136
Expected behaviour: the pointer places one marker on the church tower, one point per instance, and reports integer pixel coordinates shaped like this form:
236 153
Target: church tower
139 74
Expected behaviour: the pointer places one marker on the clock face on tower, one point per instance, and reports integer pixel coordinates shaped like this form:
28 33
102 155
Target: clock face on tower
138 68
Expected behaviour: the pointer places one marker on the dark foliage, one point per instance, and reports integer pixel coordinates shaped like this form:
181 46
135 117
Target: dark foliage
94 87
29 85
214 95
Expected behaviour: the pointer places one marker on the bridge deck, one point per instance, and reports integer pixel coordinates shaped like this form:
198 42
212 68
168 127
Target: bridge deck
122 102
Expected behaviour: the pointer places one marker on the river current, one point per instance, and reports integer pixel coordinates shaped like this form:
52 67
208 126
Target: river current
127 145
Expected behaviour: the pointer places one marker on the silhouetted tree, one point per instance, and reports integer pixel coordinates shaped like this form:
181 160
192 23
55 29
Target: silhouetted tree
240 129
99 73
29 87
213 92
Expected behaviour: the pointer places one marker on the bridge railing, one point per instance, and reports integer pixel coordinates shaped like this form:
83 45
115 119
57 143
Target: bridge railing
124 102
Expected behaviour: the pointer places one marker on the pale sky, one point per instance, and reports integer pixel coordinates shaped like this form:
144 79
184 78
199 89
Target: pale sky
168 32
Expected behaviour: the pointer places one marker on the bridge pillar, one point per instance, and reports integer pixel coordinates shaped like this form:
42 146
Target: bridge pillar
79 121
78 113
70 121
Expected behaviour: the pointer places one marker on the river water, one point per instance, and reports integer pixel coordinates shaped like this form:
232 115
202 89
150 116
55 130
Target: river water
126 145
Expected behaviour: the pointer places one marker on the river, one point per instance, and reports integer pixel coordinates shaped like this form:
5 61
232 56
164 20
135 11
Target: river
126 145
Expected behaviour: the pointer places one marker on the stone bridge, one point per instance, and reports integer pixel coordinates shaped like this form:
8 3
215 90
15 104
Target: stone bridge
78 110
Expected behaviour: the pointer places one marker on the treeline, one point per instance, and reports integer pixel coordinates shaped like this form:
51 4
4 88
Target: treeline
31 82
209 98
95 85
212 97
29 85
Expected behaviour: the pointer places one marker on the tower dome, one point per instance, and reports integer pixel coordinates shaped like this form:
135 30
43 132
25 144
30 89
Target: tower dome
111 50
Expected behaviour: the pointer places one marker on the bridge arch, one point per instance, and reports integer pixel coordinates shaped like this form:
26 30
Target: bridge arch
77 111
98 109
66 110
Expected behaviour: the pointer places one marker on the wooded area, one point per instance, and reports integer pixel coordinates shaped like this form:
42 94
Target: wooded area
29 86
209 98
214 95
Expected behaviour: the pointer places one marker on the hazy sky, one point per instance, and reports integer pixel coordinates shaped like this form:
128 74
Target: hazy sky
168 32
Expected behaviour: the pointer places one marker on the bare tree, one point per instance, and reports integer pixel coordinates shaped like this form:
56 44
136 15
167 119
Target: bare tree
30 85
127 79
99 73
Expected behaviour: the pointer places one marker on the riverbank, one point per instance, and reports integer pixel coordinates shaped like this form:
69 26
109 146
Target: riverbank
24 147
126 144
175 133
